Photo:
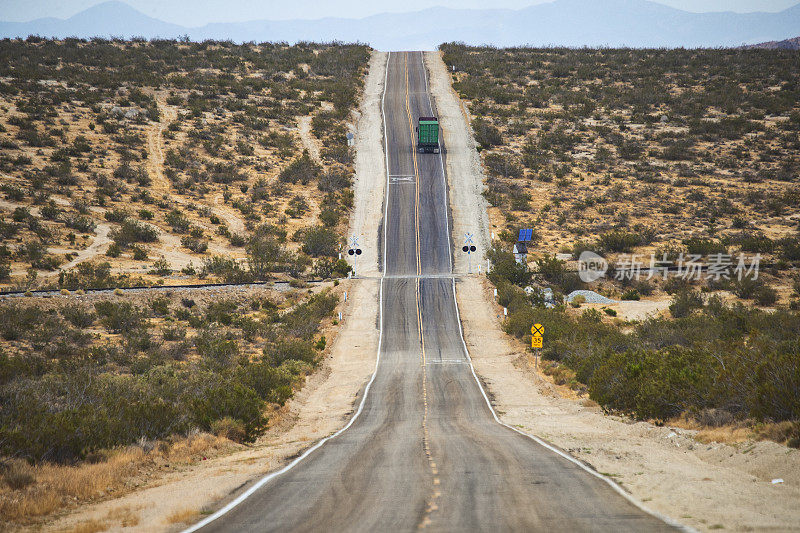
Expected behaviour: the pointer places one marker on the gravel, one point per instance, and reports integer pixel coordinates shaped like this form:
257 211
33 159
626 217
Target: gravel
590 297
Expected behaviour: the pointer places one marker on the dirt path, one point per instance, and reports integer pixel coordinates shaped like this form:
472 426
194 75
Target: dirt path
229 215
705 486
155 146
97 247
310 142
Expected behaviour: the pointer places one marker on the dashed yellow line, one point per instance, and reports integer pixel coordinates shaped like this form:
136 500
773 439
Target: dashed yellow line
435 493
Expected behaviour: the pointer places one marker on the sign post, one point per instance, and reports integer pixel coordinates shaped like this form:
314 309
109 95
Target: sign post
537 342
355 251
468 248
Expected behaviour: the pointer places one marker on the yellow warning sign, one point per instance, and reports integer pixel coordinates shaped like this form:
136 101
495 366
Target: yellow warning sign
537 341
537 329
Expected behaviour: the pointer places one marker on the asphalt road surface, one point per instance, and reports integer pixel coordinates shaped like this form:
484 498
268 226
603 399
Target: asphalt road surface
425 451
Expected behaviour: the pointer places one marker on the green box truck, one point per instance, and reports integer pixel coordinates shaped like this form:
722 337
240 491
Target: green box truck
428 135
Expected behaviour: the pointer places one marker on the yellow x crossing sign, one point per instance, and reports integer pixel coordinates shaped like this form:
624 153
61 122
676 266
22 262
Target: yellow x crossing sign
537 330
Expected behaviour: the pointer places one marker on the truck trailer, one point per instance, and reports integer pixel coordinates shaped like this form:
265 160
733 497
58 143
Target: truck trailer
428 135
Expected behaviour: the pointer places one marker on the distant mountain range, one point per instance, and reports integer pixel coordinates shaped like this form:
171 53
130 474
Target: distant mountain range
786 44
634 23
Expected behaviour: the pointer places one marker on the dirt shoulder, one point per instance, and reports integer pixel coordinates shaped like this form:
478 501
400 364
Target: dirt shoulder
370 179
706 486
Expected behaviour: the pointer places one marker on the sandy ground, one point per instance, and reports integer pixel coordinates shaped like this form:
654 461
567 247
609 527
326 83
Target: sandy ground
633 310
464 171
704 486
701 485
370 182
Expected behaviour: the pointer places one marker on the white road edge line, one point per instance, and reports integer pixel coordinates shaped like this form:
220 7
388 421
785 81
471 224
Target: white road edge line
269 477
613 484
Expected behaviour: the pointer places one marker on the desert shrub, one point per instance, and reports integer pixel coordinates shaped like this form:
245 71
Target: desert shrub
631 294
132 231
328 267
620 241
756 244
630 150
160 306
684 302
226 269
704 246
89 274
320 241
790 248
118 316
161 267
505 267
503 165
334 180
266 251
178 221
216 348
79 223
221 311
194 244
229 428
486 135
302 170
290 349
78 316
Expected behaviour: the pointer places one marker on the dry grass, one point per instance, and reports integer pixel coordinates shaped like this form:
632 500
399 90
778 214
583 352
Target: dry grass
51 487
91 526
126 516
708 431
184 516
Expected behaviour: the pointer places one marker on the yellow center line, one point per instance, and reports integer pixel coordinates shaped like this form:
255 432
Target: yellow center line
432 506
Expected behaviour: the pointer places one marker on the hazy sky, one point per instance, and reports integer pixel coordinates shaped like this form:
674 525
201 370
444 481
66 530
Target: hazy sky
199 12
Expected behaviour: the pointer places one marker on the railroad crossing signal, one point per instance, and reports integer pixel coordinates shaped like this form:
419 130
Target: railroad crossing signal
355 251
468 248
537 339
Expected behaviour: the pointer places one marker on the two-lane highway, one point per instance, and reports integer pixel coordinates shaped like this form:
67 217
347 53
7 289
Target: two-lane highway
425 450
